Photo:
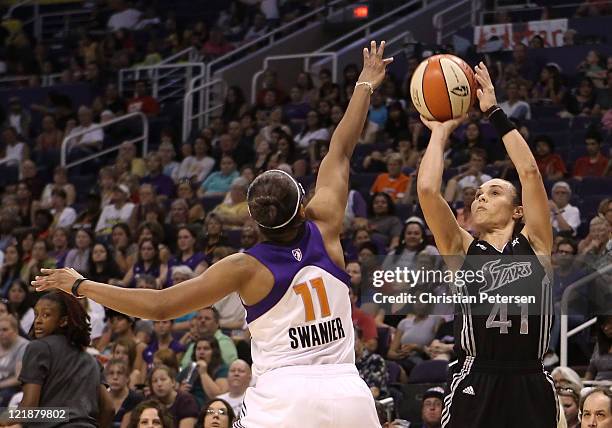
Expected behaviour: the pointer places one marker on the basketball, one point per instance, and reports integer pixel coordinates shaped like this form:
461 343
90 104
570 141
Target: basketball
443 87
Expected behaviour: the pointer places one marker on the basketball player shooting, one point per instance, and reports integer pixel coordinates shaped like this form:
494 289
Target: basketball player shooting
293 286
499 379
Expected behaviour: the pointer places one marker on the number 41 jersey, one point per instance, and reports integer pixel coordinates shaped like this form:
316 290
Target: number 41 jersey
510 315
306 317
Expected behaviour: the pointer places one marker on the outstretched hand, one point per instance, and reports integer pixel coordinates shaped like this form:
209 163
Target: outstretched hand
447 127
374 66
62 279
486 92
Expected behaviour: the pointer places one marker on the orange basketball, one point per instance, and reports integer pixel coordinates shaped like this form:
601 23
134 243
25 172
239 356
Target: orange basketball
443 87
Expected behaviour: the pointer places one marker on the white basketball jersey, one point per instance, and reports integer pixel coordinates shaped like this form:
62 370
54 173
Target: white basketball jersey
306 317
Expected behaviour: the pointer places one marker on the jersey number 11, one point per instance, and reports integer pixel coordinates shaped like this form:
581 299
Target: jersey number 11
304 292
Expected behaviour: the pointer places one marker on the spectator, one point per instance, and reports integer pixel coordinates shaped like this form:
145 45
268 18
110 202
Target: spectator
258 29
14 151
206 376
582 101
120 211
296 110
142 101
29 175
473 176
604 95
164 186
198 166
125 251
11 268
382 222
219 183
127 153
12 347
181 405
152 413
162 339
123 398
549 88
111 101
167 156
40 260
238 380
124 347
20 303
217 413
60 180
88 217
49 141
431 410
371 367
147 263
464 214
592 67
569 399
63 215
565 217
550 164
79 256
378 112
208 325
513 106
605 210
90 136
235 105
18 118
59 241
596 408
313 130
216 44
234 211
594 163
413 242
124 17
600 367
187 254
393 182
56 367
369 132
249 236
596 242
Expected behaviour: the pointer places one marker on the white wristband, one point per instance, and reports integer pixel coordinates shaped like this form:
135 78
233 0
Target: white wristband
368 84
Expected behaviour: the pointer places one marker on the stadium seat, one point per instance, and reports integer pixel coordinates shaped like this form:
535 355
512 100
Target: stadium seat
210 202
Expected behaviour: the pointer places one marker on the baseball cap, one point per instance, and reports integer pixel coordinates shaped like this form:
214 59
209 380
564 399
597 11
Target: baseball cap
435 392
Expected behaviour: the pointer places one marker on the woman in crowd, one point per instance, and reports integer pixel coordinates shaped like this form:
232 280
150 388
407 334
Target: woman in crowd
123 398
60 181
59 241
216 414
102 265
40 259
213 236
600 367
383 224
56 368
11 268
148 262
20 302
125 251
151 413
78 257
181 405
206 377
412 243
187 253
185 192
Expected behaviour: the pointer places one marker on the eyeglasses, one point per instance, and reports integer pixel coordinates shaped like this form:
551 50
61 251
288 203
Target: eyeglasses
219 412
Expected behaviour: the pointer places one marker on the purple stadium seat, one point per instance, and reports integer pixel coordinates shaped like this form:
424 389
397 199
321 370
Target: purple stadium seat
403 211
393 370
595 186
233 238
210 202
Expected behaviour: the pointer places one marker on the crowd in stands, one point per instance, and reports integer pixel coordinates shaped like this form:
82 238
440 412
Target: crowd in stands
158 220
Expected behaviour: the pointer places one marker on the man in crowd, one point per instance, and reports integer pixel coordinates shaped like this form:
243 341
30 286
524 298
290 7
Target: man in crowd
238 380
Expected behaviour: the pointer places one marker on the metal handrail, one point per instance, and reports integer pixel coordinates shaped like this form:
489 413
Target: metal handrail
11 9
38 27
565 334
188 115
305 56
154 70
242 49
192 53
438 21
144 138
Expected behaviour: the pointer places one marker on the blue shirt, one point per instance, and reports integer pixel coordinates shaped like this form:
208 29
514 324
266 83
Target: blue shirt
379 115
217 182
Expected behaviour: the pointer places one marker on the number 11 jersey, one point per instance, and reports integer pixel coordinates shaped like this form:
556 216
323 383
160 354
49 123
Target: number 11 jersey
306 317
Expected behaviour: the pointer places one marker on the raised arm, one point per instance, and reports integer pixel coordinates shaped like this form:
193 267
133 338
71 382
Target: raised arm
536 211
450 238
329 202
221 279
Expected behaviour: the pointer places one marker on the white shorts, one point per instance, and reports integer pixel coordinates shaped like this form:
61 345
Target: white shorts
321 396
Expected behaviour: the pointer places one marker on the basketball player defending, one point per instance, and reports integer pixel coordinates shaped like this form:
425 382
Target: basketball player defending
293 286
499 379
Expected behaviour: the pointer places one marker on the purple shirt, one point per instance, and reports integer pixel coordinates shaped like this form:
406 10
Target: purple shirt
153 347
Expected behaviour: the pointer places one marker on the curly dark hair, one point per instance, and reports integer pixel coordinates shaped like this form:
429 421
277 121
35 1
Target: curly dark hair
78 328
164 416
230 412
390 204
272 199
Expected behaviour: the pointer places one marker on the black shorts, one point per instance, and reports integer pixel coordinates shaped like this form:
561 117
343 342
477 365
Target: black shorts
499 394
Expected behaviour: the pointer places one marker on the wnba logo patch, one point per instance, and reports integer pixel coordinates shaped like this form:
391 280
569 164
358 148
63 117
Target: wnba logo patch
297 254
460 91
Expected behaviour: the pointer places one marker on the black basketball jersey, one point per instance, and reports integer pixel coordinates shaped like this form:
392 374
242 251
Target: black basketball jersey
505 314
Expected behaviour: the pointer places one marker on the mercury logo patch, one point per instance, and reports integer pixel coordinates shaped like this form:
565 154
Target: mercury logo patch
297 254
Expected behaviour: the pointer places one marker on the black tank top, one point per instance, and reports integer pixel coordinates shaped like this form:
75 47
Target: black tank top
512 320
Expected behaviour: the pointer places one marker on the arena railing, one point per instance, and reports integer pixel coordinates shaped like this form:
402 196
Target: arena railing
565 334
144 137
454 18
532 7
305 56
203 104
167 80
33 3
46 25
